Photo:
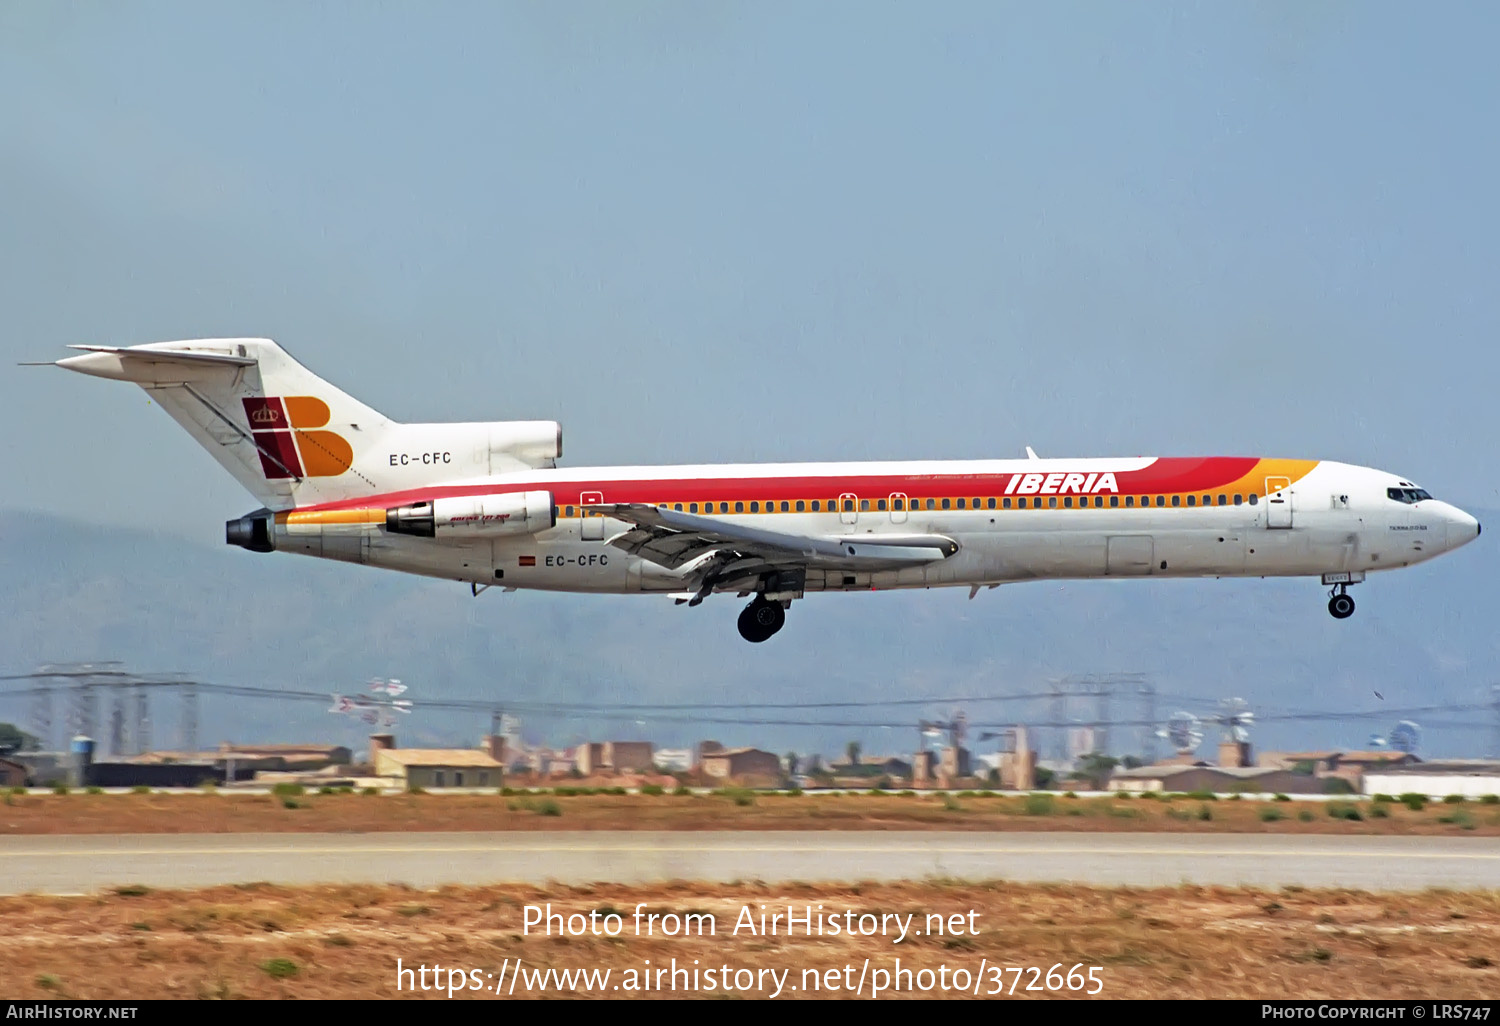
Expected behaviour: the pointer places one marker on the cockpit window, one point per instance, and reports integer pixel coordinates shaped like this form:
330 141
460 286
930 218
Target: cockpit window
1407 494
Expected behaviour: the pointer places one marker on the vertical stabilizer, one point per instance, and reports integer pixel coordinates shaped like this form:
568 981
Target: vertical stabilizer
288 436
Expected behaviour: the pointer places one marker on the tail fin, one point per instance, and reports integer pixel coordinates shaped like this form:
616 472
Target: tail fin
292 439
287 435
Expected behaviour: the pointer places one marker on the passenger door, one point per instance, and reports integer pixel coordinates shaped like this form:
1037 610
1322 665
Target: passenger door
1279 502
593 523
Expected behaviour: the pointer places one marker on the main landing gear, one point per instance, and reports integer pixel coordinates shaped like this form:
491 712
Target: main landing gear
761 619
1341 605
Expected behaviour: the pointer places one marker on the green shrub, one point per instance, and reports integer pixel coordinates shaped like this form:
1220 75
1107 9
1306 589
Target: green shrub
1282 798
1040 805
1454 799
950 804
292 803
1069 794
1124 796
652 789
682 789
1271 814
59 788
549 808
1458 817
794 792
94 790
133 891
1202 796
1205 813
1491 799
876 792
1379 798
907 794
288 790
1343 810
279 968
325 790
370 790
1379 811
1305 816
140 789
18 790
416 789
1413 801
1179 814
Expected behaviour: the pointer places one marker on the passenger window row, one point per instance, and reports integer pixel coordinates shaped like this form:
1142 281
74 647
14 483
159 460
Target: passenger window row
1005 502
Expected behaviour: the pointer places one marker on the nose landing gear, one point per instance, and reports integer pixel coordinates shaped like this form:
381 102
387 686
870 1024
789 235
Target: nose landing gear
1341 605
761 619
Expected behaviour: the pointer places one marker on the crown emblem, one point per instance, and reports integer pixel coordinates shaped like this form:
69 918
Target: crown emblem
265 415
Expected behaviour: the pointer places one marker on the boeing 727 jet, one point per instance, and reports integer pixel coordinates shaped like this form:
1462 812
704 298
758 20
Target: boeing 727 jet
486 503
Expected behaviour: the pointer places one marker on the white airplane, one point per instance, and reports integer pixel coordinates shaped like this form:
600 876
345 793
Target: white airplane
485 503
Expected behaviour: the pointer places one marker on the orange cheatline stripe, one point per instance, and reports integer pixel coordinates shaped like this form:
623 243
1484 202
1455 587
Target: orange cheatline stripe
333 516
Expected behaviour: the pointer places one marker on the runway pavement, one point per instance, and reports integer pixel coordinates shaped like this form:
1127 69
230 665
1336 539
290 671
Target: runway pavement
74 864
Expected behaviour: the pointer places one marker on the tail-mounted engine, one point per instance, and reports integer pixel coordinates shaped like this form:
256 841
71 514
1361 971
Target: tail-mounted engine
253 531
475 516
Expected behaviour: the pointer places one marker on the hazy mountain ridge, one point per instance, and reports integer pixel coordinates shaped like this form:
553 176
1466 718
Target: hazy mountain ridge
72 591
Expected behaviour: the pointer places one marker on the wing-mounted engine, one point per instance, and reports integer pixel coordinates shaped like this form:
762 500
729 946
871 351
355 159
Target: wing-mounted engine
477 516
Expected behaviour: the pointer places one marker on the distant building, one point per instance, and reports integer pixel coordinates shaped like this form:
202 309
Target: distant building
742 764
954 762
1218 779
1472 778
12 774
1351 767
872 766
158 774
43 769
923 768
705 748
680 759
434 767
615 757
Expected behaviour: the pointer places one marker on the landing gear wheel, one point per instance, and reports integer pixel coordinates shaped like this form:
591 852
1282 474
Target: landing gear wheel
1341 606
761 619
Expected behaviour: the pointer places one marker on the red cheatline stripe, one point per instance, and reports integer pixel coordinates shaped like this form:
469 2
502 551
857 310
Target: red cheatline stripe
1167 475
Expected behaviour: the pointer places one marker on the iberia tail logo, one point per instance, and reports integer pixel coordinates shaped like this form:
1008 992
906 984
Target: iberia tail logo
290 446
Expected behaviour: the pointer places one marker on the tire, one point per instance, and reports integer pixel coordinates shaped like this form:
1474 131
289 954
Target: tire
1341 607
760 619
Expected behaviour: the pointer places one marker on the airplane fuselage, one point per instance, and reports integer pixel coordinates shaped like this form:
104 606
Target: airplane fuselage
1012 520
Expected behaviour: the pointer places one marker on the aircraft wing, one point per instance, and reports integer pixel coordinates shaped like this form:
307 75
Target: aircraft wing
674 539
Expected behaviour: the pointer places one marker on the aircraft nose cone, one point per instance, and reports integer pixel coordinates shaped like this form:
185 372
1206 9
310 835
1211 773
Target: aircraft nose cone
1462 529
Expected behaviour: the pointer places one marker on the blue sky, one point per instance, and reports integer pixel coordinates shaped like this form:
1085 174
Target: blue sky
724 232
721 232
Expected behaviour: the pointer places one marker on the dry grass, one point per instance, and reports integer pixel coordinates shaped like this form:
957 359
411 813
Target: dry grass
259 941
47 813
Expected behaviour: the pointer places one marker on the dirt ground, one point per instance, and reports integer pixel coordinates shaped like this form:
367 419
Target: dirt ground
259 941
47 813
